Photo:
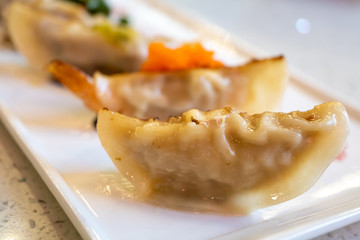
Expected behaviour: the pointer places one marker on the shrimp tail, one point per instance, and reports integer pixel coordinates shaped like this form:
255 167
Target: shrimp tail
76 81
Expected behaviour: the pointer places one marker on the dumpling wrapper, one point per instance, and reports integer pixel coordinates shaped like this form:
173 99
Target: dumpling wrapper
254 87
237 161
47 30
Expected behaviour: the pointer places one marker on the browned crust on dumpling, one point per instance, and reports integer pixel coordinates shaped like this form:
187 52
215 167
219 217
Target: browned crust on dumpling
240 162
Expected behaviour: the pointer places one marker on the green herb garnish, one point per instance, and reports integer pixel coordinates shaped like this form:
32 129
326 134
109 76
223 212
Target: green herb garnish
115 34
124 21
97 6
94 6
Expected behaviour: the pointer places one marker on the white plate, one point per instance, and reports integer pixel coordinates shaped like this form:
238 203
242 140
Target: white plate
55 131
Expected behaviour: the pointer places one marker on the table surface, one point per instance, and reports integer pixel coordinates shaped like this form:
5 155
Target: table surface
319 37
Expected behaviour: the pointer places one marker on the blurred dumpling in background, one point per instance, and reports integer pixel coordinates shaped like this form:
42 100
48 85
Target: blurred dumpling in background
4 37
78 32
172 81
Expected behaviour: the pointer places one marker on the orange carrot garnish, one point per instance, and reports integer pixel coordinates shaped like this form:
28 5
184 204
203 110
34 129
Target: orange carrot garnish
188 56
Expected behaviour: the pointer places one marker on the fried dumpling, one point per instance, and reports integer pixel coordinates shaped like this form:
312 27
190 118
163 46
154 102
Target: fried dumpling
254 87
237 161
44 30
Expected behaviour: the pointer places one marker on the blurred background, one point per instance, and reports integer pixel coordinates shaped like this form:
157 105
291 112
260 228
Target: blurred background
321 38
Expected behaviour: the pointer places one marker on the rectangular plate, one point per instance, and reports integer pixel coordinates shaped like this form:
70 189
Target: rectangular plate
55 131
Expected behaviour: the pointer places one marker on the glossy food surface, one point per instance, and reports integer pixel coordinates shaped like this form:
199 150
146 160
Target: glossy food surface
253 87
238 161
